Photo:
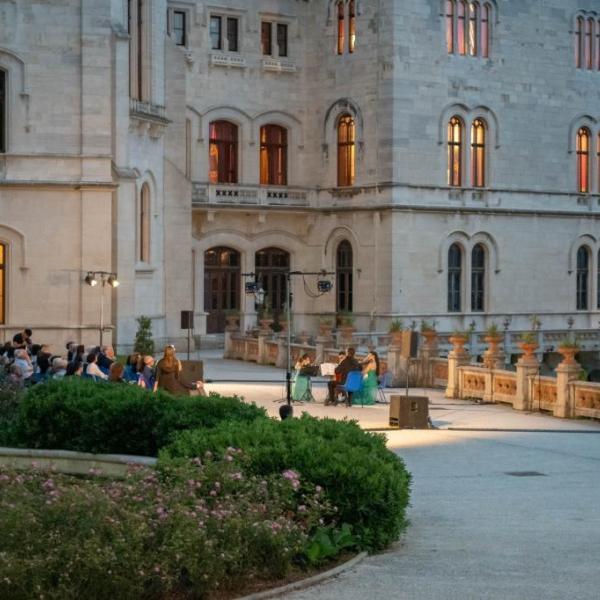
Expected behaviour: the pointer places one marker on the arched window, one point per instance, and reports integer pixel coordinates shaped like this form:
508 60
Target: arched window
272 267
137 16
346 151
589 43
450 25
455 151
478 278
485 30
3 103
144 232
583 277
341 27
478 153
461 28
473 18
344 267
598 45
351 26
583 160
454 278
2 284
221 286
223 150
578 42
273 155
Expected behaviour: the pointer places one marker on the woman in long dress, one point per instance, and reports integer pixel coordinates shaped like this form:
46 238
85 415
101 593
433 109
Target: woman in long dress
168 370
301 382
370 371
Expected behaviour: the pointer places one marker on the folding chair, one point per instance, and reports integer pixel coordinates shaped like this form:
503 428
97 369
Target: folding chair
385 381
354 384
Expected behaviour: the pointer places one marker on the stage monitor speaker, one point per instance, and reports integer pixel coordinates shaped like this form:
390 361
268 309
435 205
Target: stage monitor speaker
409 412
187 319
410 344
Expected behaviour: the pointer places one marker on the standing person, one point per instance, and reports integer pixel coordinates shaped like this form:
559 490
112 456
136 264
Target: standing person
301 387
168 370
370 370
348 364
71 349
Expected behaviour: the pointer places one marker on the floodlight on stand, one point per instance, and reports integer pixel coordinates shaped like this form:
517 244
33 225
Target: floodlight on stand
324 286
251 287
112 280
90 279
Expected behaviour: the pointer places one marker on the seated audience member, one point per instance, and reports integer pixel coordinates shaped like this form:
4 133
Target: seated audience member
346 366
168 370
71 349
106 358
15 376
131 367
59 367
42 371
147 379
92 370
116 373
23 361
74 369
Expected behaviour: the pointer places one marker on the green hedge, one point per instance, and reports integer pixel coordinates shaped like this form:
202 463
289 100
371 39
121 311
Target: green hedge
88 416
367 483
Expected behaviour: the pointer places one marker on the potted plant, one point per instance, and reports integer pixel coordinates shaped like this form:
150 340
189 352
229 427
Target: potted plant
528 344
493 337
325 325
396 329
428 331
346 325
568 348
458 339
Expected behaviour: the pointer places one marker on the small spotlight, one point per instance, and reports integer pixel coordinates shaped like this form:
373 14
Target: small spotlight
91 280
324 286
112 280
251 287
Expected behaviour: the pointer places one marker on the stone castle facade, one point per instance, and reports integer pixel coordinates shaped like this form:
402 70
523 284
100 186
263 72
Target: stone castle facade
441 159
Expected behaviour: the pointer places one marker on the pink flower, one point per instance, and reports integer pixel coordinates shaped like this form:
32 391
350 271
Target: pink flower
302 508
291 475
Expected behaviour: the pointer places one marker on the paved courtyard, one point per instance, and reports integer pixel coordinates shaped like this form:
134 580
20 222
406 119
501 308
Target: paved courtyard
503 508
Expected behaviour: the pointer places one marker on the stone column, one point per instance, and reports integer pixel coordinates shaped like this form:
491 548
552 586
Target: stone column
527 367
457 357
228 343
281 353
493 357
262 358
565 373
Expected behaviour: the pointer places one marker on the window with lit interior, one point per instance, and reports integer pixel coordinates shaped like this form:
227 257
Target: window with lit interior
346 133
223 150
454 278
273 155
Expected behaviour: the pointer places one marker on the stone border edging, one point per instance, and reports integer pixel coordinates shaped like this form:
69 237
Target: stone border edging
73 463
309 582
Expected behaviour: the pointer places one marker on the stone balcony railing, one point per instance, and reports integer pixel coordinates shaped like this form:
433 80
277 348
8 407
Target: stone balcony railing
233 194
148 117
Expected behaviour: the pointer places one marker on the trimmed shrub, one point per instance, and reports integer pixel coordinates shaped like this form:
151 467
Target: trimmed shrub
10 398
367 483
88 416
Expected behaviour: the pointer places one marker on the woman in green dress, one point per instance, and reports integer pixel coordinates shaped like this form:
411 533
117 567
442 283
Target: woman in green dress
370 369
301 387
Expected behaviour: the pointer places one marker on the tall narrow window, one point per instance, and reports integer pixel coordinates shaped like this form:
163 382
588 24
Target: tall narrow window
598 281
583 160
461 29
144 236
179 27
188 148
282 39
222 275
478 278
223 149
589 43
273 155
597 44
583 277
454 278
450 26
140 50
346 150
351 27
578 42
216 25
272 267
344 268
2 284
455 151
3 111
478 153
598 160
232 34
485 30
473 10
266 38
341 27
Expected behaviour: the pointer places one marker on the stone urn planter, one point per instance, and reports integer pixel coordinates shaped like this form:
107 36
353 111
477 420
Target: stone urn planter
493 341
233 322
568 353
346 332
396 337
325 329
430 336
265 324
458 343
528 349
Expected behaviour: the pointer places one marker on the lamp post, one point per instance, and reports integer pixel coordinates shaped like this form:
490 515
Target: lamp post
103 277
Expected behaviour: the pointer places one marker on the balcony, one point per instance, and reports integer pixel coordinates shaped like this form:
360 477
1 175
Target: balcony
278 65
244 195
221 59
148 117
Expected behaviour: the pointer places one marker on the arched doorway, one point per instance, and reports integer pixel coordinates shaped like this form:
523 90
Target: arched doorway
221 286
272 266
343 267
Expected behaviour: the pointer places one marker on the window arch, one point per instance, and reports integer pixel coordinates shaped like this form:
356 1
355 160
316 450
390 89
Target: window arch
344 268
450 25
3 262
454 278
478 151
583 278
461 26
272 267
3 111
144 225
341 27
273 155
223 152
578 42
473 19
468 26
478 278
583 160
351 26
455 151
346 142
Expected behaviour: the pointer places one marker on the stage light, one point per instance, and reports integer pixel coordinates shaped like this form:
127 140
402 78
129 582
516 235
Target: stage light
90 279
324 286
251 287
112 280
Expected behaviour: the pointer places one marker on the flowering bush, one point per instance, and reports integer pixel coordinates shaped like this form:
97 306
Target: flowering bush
177 532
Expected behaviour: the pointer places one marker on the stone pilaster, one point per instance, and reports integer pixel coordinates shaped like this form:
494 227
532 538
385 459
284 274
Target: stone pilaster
565 373
456 358
526 368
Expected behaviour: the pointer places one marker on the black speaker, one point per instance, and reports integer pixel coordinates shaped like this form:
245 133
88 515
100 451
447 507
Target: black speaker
409 412
414 344
410 344
187 319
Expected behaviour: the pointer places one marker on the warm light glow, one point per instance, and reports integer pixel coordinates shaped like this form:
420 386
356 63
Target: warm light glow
341 33
2 283
450 26
352 26
478 153
583 160
346 151
455 127
462 10
473 10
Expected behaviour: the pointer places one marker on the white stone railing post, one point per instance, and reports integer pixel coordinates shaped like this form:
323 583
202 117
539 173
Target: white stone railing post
457 357
565 373
527 367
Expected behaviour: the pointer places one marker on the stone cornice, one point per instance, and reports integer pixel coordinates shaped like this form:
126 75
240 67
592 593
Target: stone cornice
59 185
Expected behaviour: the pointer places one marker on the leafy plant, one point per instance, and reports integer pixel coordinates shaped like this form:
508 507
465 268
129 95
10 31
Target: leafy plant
529 337
144 344
459 333
345 319
492 330
396 325
427 325
569 342
328 542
